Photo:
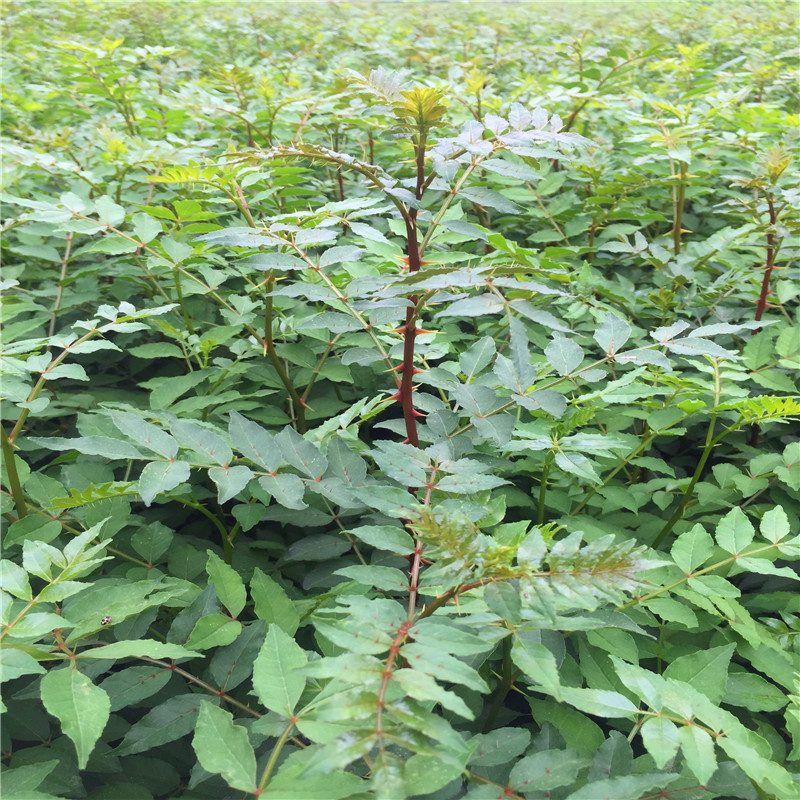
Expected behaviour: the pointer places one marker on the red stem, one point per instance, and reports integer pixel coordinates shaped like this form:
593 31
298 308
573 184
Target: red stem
768 266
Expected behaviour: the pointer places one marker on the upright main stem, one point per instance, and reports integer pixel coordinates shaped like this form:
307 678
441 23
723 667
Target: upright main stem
410 330
770 262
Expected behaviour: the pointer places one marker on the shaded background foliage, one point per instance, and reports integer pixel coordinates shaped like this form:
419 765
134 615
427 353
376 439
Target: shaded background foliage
225 571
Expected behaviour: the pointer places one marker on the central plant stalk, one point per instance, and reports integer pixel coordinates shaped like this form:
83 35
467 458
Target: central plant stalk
410 329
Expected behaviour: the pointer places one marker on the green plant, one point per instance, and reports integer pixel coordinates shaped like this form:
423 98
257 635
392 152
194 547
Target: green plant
370 434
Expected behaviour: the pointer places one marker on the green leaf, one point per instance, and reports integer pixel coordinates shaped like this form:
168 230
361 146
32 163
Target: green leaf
20 783
469 483
81 707
627 787
752 692
277 680
336 255
135 648
252 441
612 333
598 702
424 774
775 524
156 350
706 670
499 746
214 630
14 580
166 722
228 584
503 599
301 454
769 775
734 531
692 549
130 686
14 663
546 770
422 686
224 748
661 738
272 604
537 662
145 434
203 441
563 354
91 446
161 476
145 227
385 537
286 488
477 357
698 752
266 262
385 579
490 199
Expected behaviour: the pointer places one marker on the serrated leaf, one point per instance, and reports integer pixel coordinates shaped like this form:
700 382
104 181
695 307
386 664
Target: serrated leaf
734 531
775 524
272 604
266 262
563 354
691 549
224 748
612 333
166 722
336 255
90 445
706 670
229 481
546 770
286 488
161 476
598 702
135 648
15 663
698 347
250 439
81 707
213 630
626 787
301 453
277 679
698 751
537 662
145 434
203 441
228 584
489 198
661 739
499 746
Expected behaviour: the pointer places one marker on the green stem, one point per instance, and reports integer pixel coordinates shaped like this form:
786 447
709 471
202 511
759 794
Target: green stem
446 204
12 474
711 440
273 756
184 313
227 544
298 404
680 200
507 678
689 491
543 487
663 589
39 385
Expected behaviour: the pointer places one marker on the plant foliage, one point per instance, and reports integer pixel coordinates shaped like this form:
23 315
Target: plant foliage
400 405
